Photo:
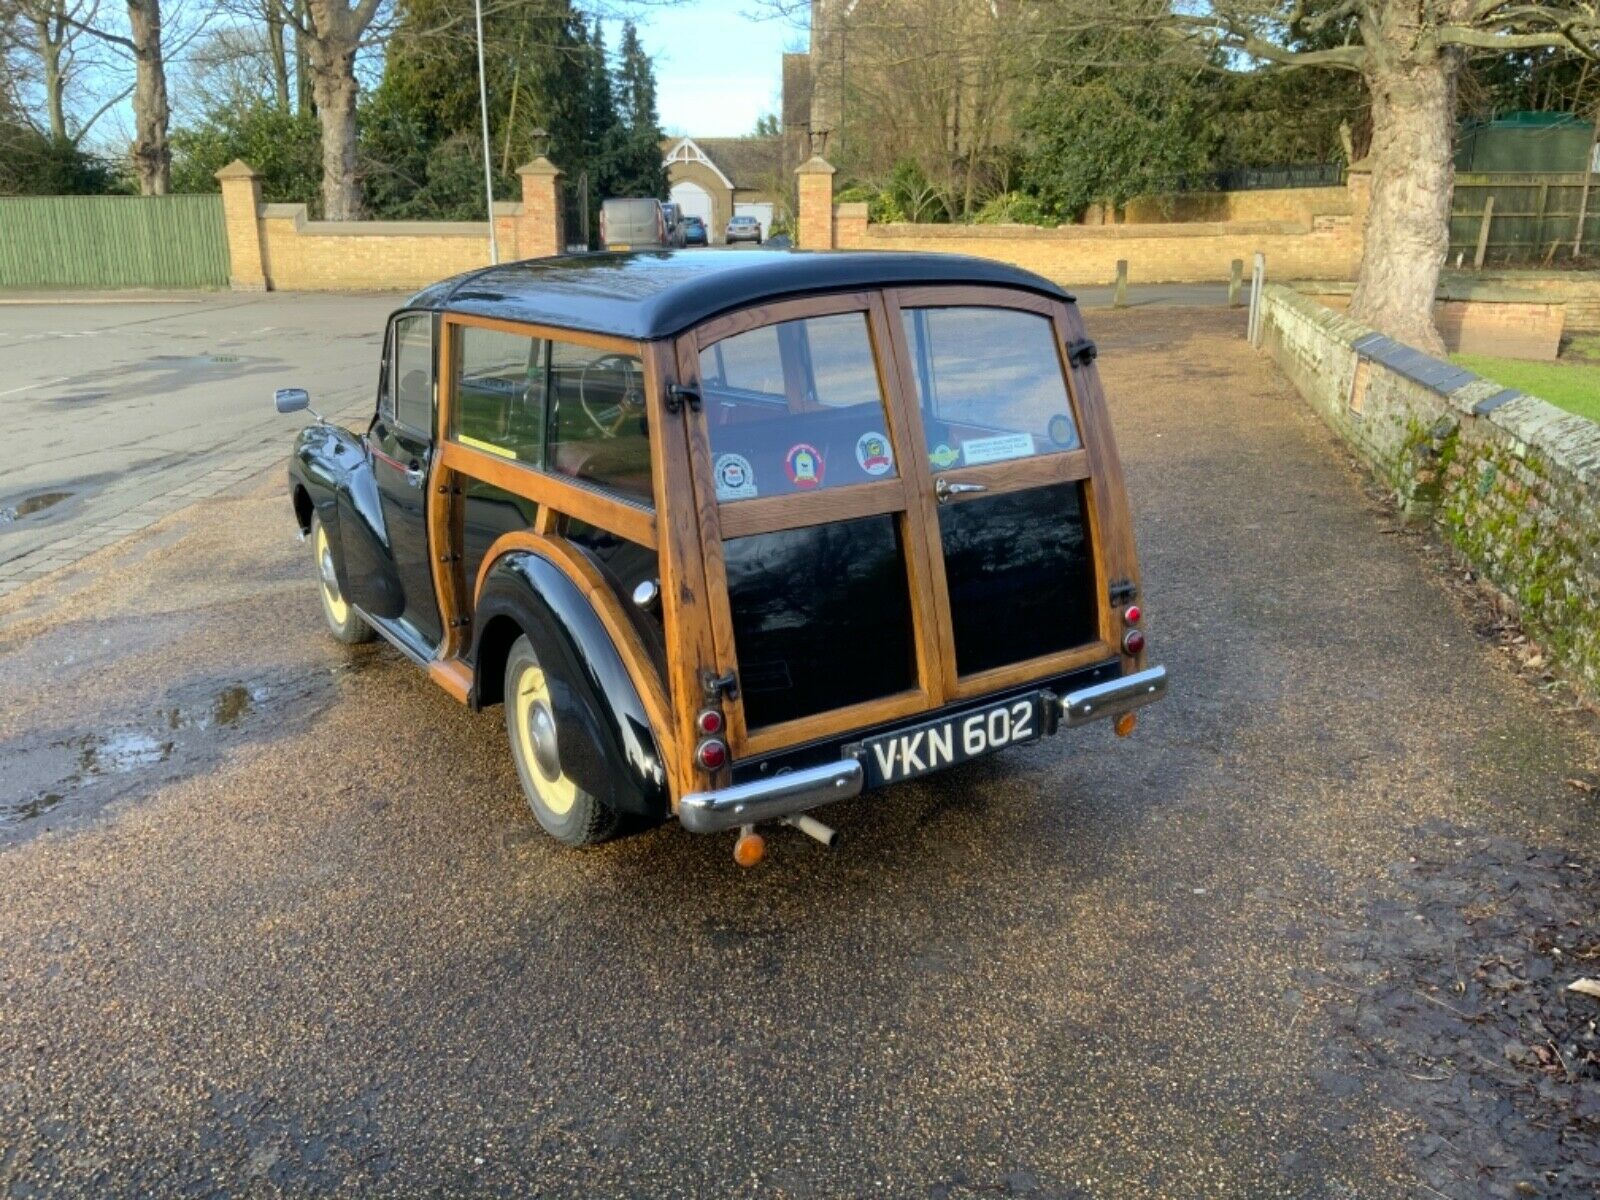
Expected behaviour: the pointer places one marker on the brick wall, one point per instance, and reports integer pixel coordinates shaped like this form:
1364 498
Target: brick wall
1512 483
276 246
1076 255
1479 319
1299 205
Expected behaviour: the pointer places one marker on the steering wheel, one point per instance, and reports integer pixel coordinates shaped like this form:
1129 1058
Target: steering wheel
607 418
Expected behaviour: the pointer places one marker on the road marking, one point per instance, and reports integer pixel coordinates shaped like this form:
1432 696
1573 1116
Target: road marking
29 386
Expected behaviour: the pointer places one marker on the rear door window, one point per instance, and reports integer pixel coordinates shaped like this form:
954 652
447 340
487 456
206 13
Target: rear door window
990 385
795 407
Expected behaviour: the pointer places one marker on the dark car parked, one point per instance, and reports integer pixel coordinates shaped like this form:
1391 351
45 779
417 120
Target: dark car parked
734 535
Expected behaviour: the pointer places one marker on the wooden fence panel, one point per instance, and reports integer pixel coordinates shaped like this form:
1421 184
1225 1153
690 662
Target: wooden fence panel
113 242
1531 213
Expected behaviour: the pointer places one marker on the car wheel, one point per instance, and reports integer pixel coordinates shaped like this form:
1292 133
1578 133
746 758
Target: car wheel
563 809
344 622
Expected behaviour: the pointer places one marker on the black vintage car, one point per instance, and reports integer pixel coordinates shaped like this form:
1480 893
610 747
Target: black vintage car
734 535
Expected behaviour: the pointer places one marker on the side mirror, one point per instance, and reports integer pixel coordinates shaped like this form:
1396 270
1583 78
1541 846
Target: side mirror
290 400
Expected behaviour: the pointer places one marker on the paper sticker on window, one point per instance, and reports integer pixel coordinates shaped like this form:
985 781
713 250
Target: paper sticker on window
736 480
942 455
997 449
873 455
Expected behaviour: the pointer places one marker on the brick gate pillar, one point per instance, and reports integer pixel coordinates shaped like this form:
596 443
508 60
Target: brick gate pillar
816 203
241 207
539 232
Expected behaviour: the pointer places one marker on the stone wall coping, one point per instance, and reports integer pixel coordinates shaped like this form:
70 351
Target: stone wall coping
1567 440
1088 233
309 228
238 169
539 166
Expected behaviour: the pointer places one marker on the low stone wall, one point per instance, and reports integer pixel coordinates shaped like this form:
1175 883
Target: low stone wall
1510 481
1075 255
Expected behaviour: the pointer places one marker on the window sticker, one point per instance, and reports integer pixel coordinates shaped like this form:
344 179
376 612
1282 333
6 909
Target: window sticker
803 465
997 449
873 454
942 456
1061 431
736 479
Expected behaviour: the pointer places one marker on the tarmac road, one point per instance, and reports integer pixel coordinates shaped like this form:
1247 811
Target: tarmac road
273 918
120 398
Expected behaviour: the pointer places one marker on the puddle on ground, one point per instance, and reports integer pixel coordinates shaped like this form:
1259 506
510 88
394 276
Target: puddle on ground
29 505
178 736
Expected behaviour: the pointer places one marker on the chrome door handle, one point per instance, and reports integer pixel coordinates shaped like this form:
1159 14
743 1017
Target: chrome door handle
415 475
944 489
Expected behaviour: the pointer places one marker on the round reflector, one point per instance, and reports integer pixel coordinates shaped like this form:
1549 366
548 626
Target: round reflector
1131 614
1132 642
711 754
709 722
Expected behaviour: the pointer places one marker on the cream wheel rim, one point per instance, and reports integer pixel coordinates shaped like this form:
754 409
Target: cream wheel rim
337 608
536 731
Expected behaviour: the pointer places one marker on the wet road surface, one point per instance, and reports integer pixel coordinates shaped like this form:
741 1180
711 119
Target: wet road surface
118 399
286 926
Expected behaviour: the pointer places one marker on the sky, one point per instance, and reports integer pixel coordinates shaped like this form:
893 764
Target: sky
719 63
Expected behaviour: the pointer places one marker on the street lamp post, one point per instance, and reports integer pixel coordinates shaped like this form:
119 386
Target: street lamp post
483 111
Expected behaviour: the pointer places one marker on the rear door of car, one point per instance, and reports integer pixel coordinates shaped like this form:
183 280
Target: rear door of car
849 587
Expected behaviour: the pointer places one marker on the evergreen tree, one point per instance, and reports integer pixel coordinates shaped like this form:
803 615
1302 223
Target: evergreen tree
638 169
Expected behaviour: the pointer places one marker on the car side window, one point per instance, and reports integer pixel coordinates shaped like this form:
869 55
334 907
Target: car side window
597 428
410 377
500 382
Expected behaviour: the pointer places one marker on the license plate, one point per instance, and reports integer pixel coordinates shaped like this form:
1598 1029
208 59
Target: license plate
619 246
907 753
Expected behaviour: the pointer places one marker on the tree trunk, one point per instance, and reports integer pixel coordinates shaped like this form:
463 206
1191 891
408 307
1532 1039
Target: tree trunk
54 84
277 48
1408 224
152 157
333 87
302 60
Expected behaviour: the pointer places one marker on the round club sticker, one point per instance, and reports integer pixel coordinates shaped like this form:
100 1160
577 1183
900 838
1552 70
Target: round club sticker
942 455
736 480
872 452
1061 431
803 465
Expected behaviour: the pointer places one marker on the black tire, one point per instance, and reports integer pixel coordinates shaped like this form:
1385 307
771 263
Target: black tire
563 809
343 621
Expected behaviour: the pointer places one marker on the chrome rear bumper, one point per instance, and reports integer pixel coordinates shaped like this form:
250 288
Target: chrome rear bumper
800 791
768 799
1113 698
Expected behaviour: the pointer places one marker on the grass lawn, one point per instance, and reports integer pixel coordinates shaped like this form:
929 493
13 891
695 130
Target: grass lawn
1572 382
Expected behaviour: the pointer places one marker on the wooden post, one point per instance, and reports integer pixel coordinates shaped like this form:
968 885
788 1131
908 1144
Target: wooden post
1120 298
1235 282
1258 280
1483 232
1583 196
1538 216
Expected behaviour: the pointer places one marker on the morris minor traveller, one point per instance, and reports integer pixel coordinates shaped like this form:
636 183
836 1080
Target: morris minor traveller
732 535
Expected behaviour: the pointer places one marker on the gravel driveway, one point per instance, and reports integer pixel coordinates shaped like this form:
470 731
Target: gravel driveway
274 919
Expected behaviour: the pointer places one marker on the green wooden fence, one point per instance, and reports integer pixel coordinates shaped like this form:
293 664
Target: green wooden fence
113 242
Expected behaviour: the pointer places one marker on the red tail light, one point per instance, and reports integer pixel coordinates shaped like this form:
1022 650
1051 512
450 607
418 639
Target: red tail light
1131 614
711 754
1132 642
709 722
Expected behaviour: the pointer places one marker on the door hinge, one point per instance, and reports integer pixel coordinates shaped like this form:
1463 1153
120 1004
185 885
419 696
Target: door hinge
719 686
678 394
1081 353
1124 591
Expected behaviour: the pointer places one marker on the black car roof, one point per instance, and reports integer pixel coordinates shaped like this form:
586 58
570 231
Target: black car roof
655 294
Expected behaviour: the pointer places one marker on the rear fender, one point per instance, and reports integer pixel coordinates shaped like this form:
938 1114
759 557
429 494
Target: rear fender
604 735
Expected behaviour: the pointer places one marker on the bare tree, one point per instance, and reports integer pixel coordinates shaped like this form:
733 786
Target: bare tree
1410 54
52 28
